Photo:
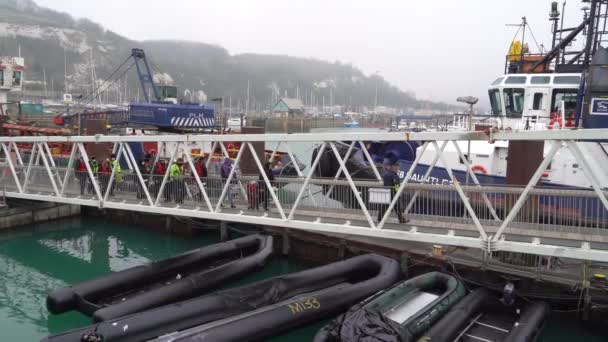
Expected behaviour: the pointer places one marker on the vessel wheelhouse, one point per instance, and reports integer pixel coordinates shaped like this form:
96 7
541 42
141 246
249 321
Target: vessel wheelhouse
535 99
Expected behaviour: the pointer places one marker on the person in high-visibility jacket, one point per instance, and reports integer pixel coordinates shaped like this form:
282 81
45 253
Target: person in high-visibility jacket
95 169
117 174
176 178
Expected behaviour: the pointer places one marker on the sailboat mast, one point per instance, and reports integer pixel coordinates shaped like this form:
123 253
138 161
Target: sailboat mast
65 72
247 104
46 93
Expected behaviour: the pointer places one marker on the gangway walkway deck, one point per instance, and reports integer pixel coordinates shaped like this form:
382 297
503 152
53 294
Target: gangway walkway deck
552 222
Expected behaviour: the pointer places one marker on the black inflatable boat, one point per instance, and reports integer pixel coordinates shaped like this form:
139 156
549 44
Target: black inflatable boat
400 314
481 316
305 297
167 281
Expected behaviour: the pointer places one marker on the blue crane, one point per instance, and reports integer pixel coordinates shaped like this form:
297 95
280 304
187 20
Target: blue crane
155 112
143 71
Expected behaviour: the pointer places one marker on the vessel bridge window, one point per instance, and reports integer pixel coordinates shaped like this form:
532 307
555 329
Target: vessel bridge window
567 80
496 102
16 78
514 101
568 96
540 80
516 80
498 81
537 103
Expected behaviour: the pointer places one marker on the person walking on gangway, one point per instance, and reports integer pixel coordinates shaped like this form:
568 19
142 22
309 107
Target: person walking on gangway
159 170
95 169
81 174
391 180
176 179
201 171
263 190
105 170
145 168
225 171
117 174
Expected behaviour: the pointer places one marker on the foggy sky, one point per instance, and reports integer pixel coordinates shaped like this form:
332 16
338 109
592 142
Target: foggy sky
439 49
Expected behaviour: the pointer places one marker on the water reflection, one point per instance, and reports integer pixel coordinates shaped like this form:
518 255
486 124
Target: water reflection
122 257
21 291
38 259
79 247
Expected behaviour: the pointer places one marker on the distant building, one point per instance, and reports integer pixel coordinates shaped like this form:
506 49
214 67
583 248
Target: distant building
288 107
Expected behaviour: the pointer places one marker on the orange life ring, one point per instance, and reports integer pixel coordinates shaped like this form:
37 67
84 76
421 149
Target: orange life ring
555 121
479 168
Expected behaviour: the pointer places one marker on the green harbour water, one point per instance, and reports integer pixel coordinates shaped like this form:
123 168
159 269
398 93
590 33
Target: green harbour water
37 259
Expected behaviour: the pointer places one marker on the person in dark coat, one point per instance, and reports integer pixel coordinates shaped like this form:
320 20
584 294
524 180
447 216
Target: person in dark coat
81 173
201 171
225 171
105 170
145 168
263 191
391 180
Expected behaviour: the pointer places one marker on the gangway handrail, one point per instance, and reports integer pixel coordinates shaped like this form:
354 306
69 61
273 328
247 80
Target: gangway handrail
576 135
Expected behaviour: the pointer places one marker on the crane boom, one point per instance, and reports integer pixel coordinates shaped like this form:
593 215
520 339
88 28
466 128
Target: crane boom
144 74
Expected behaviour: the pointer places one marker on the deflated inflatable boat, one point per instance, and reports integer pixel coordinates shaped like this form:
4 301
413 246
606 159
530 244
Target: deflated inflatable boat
168 281
307 296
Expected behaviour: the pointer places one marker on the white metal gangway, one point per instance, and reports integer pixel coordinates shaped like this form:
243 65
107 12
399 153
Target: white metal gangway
556 222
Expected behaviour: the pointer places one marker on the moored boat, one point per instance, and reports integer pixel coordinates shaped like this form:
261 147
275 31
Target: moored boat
399 314
352 124
483 317
167 281
312 294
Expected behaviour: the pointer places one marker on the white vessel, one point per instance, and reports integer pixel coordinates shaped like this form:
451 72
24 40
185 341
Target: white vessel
545 91
11 78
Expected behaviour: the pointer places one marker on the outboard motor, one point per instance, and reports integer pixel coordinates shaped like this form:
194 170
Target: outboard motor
508 294
595 103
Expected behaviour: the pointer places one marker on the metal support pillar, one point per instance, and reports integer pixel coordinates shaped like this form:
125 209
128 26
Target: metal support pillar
531 184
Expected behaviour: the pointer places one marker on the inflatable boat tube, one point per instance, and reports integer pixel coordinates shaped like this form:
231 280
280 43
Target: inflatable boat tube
336 286
168 281
401 313
480 310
